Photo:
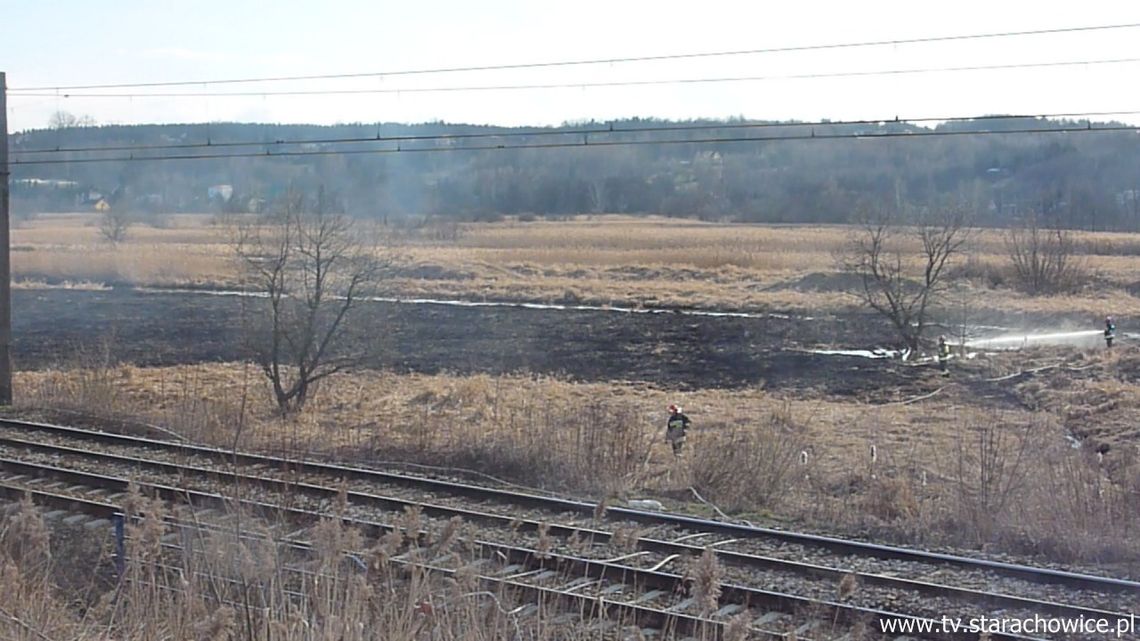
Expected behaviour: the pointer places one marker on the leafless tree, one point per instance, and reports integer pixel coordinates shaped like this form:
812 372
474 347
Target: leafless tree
66 120
114 225
312 267
899 284
1043 258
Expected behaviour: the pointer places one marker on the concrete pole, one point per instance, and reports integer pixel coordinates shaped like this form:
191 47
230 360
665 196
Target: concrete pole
5 261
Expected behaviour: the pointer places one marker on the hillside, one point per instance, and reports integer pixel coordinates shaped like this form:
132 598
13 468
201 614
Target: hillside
1090 179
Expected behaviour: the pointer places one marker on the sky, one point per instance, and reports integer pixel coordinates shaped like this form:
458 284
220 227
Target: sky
54 43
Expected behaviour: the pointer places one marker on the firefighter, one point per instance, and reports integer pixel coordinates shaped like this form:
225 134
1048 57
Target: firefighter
943 355
1109 331
676 428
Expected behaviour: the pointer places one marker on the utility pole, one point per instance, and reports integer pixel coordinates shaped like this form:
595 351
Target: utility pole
5 260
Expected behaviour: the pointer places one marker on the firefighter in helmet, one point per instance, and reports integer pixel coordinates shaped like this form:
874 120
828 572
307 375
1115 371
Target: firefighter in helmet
676 428
943 355
1109 331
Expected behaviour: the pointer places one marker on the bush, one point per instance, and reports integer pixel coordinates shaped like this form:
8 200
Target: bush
749 467
114 225
1043 258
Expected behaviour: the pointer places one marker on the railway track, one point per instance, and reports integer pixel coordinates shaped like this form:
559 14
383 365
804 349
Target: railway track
504 571
778 574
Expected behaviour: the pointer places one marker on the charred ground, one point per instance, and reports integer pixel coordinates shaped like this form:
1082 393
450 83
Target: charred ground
56 327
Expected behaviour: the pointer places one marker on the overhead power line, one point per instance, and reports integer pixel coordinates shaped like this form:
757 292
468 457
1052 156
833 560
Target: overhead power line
594 61
585 143
586 85
598 130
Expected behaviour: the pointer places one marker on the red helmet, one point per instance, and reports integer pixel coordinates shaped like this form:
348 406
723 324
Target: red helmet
673 409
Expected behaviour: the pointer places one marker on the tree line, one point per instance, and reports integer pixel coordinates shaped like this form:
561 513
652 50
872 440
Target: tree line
1087 180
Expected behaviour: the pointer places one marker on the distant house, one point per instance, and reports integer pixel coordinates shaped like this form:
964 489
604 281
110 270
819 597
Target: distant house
220 192
102 206
255 205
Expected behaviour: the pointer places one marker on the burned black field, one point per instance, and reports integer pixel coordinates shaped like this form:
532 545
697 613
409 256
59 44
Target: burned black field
61 327
58 327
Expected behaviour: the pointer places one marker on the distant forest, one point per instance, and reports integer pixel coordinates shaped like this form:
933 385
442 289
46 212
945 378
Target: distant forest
1087 180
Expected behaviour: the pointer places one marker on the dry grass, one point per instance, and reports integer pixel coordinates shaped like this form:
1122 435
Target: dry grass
617 260
239 581
947 470
68 247
922 472
222 586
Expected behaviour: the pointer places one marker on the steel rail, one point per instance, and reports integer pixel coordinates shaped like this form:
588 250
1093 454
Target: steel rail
672 548
731 594
589 606
555 504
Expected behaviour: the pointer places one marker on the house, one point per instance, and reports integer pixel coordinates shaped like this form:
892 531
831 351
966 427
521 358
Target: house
102 206
220 192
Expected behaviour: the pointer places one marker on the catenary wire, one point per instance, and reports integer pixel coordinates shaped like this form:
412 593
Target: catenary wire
610 129
585 144
599 84
595 61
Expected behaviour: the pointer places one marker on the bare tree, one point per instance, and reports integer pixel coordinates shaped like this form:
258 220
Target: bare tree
312 268
114 225
66 120
899 284
1043 258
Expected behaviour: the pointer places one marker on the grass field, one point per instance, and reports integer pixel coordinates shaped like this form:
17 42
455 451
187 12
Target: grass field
904 471
612 260
984 459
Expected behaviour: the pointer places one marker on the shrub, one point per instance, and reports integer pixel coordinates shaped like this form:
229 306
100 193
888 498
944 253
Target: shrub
749 467
1043 258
